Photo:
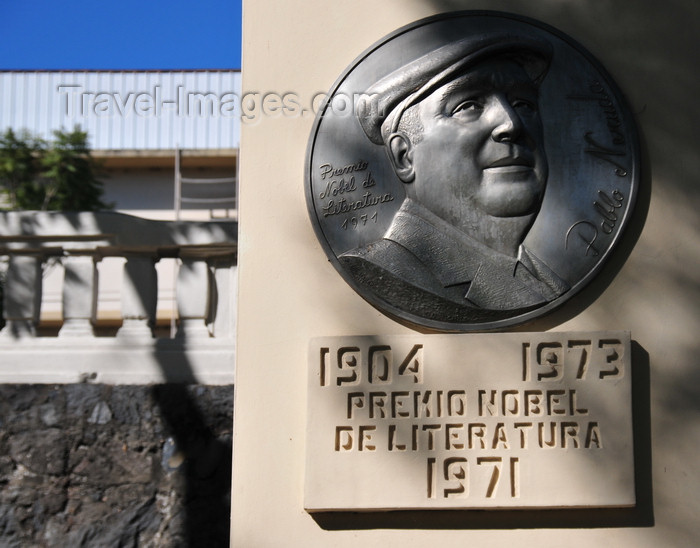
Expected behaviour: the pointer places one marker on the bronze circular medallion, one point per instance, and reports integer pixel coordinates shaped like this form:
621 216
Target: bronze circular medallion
471 171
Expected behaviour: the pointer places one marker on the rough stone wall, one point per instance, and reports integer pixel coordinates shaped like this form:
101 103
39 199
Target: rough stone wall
97 465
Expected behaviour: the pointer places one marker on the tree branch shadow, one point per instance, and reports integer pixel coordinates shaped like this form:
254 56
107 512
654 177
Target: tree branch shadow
205 468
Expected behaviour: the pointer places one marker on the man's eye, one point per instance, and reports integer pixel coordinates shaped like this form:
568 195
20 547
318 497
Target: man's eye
524 105
468 107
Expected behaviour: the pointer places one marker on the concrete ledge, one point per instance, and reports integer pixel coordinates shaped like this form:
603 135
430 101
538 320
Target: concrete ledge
117 361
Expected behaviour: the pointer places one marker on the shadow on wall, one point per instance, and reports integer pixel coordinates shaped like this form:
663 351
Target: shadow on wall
204 462
202 458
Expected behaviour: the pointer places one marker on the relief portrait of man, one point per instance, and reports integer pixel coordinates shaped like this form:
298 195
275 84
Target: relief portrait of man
462 130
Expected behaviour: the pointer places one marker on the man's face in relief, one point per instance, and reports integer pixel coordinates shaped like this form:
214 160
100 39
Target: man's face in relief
481 150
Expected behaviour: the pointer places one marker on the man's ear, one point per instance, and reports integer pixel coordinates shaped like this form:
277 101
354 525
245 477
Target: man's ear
401 155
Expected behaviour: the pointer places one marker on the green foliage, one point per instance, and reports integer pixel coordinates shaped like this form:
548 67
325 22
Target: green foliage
60 175
19 165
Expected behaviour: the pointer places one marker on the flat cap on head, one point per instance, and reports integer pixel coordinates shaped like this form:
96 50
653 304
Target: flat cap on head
379 110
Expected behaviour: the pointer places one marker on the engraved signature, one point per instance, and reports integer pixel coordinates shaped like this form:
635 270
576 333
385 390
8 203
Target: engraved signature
604 153
587 231
606 208
611 116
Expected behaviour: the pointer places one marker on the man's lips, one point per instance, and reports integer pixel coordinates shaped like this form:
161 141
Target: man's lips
512 161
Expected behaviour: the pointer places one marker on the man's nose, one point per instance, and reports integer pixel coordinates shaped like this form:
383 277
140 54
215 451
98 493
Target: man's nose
507 125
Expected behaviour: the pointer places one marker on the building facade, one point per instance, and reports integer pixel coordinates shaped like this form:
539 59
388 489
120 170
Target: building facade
151 132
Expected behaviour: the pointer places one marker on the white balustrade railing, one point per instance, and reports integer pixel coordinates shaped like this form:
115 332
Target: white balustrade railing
202 348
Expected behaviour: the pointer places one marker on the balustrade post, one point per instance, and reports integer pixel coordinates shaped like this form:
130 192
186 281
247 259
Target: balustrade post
193 296
79 296
22 295
139 295
224 306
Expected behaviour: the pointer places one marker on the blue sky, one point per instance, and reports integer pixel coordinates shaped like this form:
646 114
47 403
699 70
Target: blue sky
122 34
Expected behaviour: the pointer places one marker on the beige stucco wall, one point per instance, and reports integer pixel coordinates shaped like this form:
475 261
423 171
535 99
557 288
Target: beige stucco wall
290 293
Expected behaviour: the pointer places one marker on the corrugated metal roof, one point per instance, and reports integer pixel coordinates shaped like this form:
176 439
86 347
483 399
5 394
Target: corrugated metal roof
127 109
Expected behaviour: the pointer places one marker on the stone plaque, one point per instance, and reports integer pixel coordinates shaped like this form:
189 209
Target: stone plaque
521 420
471 171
